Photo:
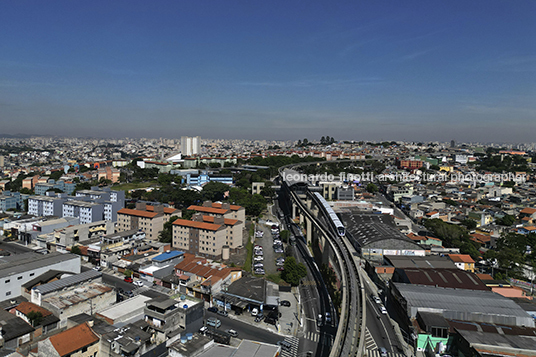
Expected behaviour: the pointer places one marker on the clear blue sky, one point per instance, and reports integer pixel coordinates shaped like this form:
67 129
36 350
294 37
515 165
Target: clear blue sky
354 70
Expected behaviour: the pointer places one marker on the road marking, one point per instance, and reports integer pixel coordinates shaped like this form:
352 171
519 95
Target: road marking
370 344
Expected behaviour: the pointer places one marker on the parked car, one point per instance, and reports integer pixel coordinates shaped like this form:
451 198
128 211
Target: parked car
203 329
328 318
254 311
128 279
258 258
259 317
214 322
260 271
232 332
223 313
258 265
280 269
213 309
284 303
138 283
129 294
97 268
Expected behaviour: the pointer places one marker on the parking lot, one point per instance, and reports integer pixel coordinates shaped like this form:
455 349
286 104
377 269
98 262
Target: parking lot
269 256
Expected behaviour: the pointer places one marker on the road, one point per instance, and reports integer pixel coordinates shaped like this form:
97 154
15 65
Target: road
379 326
245 330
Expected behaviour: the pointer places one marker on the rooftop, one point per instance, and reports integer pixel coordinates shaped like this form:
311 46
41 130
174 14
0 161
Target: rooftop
20 263
73 339
68 281
208 209
198 225
446 278
137 213
454 302
428 261
167 255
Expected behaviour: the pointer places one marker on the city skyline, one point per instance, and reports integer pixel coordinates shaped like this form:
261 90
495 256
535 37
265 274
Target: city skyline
408 71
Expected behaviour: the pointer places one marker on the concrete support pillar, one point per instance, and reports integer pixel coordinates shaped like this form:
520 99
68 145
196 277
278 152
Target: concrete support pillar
309 229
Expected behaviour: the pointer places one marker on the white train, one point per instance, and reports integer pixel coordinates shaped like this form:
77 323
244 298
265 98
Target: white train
334 218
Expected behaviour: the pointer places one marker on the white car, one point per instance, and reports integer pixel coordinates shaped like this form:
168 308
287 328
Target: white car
258 258
383 310
377 300
138 283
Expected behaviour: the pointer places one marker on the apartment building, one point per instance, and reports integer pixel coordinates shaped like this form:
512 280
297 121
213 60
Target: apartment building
224 210
87 211
207 235
194 237
151 223
46 205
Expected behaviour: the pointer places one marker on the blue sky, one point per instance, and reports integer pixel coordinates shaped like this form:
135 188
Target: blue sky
354 70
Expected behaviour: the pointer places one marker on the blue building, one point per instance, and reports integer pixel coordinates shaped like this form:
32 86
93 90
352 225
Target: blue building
203 178
10 200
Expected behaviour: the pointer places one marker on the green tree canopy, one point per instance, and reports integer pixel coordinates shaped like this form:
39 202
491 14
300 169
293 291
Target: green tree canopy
35 317
293 271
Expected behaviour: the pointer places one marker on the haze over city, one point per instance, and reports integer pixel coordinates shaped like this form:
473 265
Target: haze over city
357 70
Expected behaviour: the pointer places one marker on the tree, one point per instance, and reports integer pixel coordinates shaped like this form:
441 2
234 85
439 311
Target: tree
26 191
213 191
127 273
293 271
76 250
166 235
35 318
372 188
470 224
507 220
284 235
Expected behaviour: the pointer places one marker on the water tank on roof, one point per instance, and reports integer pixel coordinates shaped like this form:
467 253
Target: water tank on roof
189 336
184 339
183 297
185 306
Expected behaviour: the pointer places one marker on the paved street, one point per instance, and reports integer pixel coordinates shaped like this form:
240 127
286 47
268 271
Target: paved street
245 330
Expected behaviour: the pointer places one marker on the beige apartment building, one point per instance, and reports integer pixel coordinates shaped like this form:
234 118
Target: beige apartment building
207 235
224 210
151 223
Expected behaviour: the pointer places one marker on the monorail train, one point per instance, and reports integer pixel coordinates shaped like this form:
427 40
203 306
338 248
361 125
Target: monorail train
334 218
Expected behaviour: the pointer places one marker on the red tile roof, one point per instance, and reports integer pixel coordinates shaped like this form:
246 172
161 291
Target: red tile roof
26 307
137 213
528 210
73 339
208 209
461 258
233 207
227 221
198 225
168 210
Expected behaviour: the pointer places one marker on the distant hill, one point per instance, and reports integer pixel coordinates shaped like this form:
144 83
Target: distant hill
16 136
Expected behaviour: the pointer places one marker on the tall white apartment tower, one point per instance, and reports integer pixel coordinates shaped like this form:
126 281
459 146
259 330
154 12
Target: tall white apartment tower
190 145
